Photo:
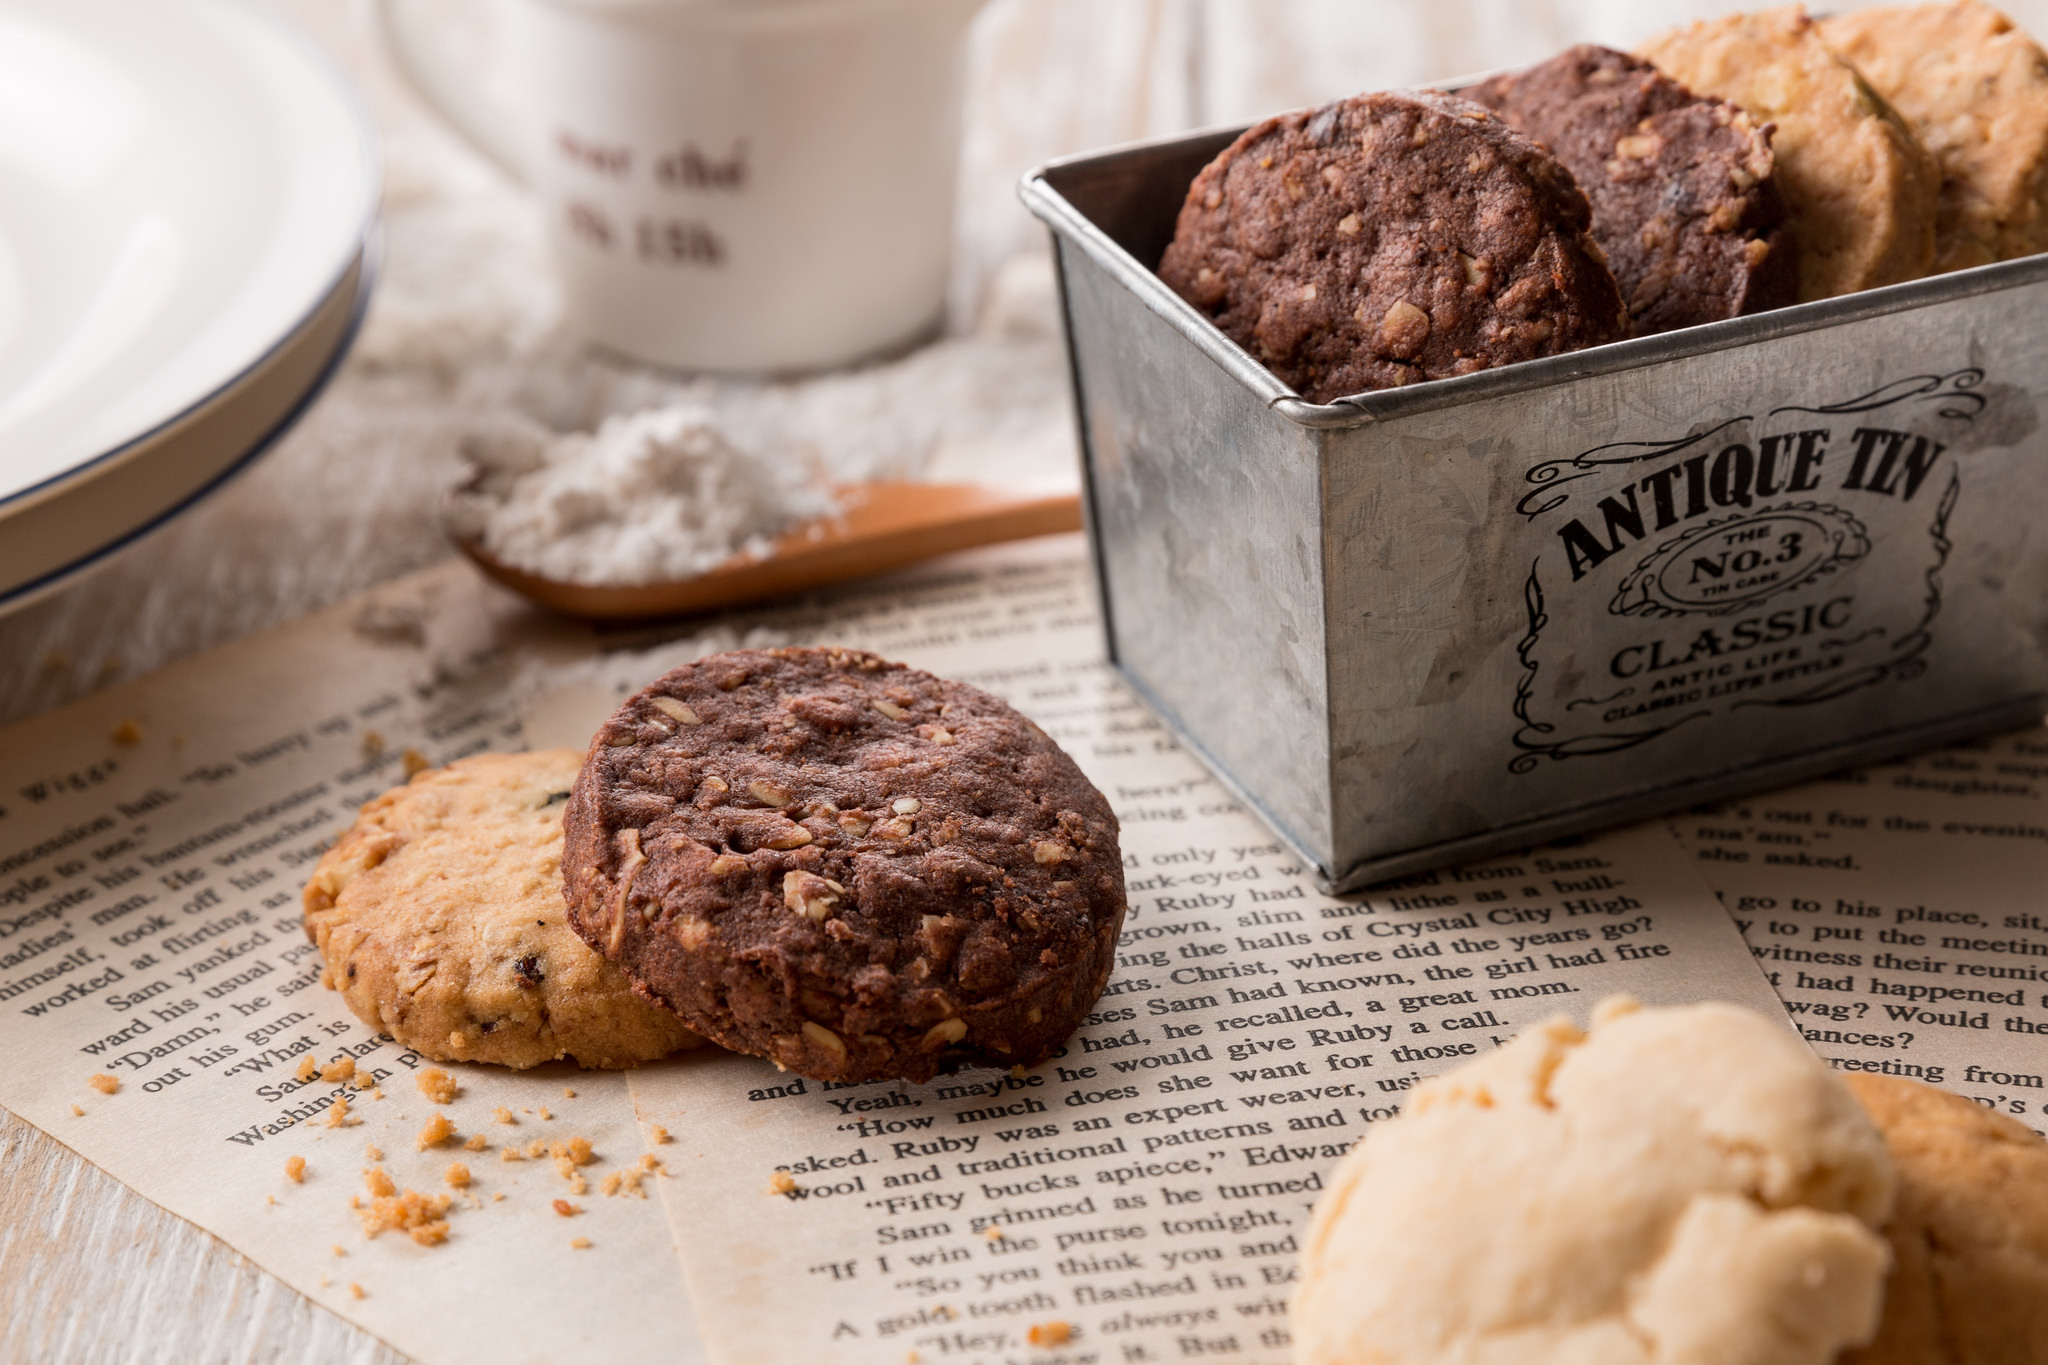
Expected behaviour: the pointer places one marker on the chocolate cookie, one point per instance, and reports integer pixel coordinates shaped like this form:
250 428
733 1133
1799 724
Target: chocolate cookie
847 866
1391 238
1683 198
439 919
1975 89
1861 188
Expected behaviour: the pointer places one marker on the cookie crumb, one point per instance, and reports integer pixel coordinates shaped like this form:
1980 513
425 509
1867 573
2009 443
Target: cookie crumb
378 1183
415 762
326 1280
659 1134
580 1243
502 1115
372 1152
627 1181
565 1208
127 732
476 1143
437 1085
364 1080
103 1083
536 1149
270 1200
373 744
338 1250
457 1175
567 1093
1055 1333
544 1112
308 1068
420 1217
510 1154
437 1131
342 1069
355 1291
650 1163
76 1112
782 1182
337 1113
295 1169
498 1198
994 1234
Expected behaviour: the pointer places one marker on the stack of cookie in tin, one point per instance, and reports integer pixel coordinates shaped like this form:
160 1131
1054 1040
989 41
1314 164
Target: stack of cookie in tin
1738 165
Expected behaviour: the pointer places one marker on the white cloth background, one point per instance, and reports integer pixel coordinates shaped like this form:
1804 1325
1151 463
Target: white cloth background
465 318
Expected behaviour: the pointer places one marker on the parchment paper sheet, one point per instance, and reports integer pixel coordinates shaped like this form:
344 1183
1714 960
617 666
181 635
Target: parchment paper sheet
1149 1186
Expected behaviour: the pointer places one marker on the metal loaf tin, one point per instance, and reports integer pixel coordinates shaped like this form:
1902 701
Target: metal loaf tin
1425 624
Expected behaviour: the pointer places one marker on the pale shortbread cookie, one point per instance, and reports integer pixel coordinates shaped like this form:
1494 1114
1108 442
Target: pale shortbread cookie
1969 1235
1681 1185
1862 190
440 918
1975 89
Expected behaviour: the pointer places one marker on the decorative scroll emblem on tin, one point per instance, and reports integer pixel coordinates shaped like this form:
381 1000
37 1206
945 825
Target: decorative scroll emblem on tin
1782 560
1732 563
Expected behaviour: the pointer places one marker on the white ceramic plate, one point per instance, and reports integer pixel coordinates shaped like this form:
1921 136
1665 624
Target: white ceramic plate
186 191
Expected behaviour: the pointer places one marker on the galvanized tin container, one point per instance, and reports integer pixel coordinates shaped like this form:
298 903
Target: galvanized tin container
1425 624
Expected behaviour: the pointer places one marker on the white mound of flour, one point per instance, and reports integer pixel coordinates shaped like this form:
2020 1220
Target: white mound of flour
658 494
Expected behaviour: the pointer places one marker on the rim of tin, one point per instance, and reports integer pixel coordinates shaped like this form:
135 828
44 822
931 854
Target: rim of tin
1059 213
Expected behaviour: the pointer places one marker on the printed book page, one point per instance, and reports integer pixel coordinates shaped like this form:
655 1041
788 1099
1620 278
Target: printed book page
1899 912
1142 1196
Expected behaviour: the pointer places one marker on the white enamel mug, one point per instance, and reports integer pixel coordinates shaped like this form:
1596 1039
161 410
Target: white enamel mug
743 186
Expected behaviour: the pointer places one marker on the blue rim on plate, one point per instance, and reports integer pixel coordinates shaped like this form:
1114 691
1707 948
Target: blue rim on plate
55 580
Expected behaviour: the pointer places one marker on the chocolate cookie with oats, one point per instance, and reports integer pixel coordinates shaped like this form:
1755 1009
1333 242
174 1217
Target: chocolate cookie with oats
439 917
847 866
1684 202
1391 238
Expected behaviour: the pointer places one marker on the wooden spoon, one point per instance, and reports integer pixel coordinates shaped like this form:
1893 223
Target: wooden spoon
879 526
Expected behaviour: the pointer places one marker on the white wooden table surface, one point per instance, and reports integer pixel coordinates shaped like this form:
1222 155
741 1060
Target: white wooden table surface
465 322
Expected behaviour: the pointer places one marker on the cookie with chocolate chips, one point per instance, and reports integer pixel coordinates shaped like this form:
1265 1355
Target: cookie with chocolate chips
1391 238
1684 200
850 867
438 915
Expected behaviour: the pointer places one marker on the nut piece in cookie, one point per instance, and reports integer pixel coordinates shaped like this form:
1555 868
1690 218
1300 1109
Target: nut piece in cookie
1975 90
1686 1184
1388 239
439 917
1862 190
1684 201
1969 1235
850 867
